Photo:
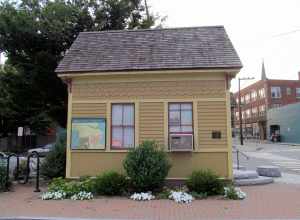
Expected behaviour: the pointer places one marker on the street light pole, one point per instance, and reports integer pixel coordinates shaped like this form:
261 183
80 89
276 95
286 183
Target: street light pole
240 115
240 109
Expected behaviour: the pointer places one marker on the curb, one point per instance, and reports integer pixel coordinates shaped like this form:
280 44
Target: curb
53 218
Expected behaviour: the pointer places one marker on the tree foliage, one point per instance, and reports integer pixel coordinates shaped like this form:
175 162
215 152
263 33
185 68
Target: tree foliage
35 34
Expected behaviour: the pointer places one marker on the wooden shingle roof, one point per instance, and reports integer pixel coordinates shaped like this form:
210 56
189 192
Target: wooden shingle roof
151 49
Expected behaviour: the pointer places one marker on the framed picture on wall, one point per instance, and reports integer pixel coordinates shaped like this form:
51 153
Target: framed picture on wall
88 133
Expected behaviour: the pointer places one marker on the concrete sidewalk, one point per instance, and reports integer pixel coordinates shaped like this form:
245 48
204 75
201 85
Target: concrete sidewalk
275 201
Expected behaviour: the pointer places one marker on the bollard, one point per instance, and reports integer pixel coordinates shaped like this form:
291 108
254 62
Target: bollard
37 182
8 166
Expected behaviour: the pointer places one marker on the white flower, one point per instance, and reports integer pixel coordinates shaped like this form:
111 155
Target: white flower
142 196
181 197
234 191
58 195
82 196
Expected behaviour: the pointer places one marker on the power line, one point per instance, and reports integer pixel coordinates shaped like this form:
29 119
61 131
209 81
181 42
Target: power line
286 33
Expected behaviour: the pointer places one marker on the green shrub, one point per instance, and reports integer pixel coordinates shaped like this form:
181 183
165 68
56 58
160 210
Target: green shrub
71 187
164 193
55 161
199 195
87 184
2 178
205 182
147 167
111 183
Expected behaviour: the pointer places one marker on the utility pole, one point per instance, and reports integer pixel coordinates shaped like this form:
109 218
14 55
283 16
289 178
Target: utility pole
147 10
240 109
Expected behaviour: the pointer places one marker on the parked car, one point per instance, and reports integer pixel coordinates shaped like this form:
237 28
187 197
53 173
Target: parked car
42 150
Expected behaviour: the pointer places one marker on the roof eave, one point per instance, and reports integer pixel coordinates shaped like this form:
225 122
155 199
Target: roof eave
66 74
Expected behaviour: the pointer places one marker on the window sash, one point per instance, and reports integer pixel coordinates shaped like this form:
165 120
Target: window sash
179 126
125 126
275 92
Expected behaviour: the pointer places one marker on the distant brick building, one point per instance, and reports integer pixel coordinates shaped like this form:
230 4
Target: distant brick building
257 98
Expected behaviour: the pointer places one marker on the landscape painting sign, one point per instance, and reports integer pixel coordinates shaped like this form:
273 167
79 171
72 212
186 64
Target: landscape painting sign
88 133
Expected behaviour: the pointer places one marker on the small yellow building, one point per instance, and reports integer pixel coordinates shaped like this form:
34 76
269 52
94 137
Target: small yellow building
167 85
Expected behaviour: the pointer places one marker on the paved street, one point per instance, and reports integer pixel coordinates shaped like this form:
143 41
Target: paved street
286 156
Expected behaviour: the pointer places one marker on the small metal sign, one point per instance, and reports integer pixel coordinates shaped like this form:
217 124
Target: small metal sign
20 131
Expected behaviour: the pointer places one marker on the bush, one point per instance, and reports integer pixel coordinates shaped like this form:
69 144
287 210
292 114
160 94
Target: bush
147 166
71 187
111 183
234 193
55 161
205 182
2 178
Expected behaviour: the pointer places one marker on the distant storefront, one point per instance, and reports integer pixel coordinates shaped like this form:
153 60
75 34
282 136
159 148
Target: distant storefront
285 121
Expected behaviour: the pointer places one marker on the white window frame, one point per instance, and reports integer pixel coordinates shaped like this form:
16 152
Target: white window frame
262 93
275 92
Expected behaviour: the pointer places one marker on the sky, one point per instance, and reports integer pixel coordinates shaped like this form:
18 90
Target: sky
260 30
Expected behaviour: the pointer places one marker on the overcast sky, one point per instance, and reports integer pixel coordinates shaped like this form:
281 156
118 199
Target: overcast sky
254 26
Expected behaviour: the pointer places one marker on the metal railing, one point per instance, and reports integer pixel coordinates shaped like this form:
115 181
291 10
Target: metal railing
26 179
238 153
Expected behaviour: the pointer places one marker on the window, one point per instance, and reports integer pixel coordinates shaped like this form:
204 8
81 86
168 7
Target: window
262 109
297 92
242 100
254 111
275 92
262 93
237 115
253 95
180 118
247 98
248 113
122 126
288 91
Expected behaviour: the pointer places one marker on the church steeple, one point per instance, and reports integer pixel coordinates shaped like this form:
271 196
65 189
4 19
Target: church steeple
263 72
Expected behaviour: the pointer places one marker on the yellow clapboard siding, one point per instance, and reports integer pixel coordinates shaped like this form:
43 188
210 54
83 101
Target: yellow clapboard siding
211 117
89 110
149 90
152 121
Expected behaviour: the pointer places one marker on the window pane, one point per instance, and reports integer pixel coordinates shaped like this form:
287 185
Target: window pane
116 137
174 106
128 115
186 128
187 106
174 117
174 128
128 137
186 117
117 114
298 92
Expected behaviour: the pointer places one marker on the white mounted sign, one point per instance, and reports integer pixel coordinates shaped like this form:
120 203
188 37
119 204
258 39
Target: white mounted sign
20 131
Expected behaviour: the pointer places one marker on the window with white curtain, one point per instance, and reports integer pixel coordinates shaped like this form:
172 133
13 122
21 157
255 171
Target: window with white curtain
122 126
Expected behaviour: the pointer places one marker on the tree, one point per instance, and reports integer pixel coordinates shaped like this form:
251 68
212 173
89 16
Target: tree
35 34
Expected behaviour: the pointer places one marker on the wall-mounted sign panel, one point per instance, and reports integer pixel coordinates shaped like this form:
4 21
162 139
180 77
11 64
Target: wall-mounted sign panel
88 133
